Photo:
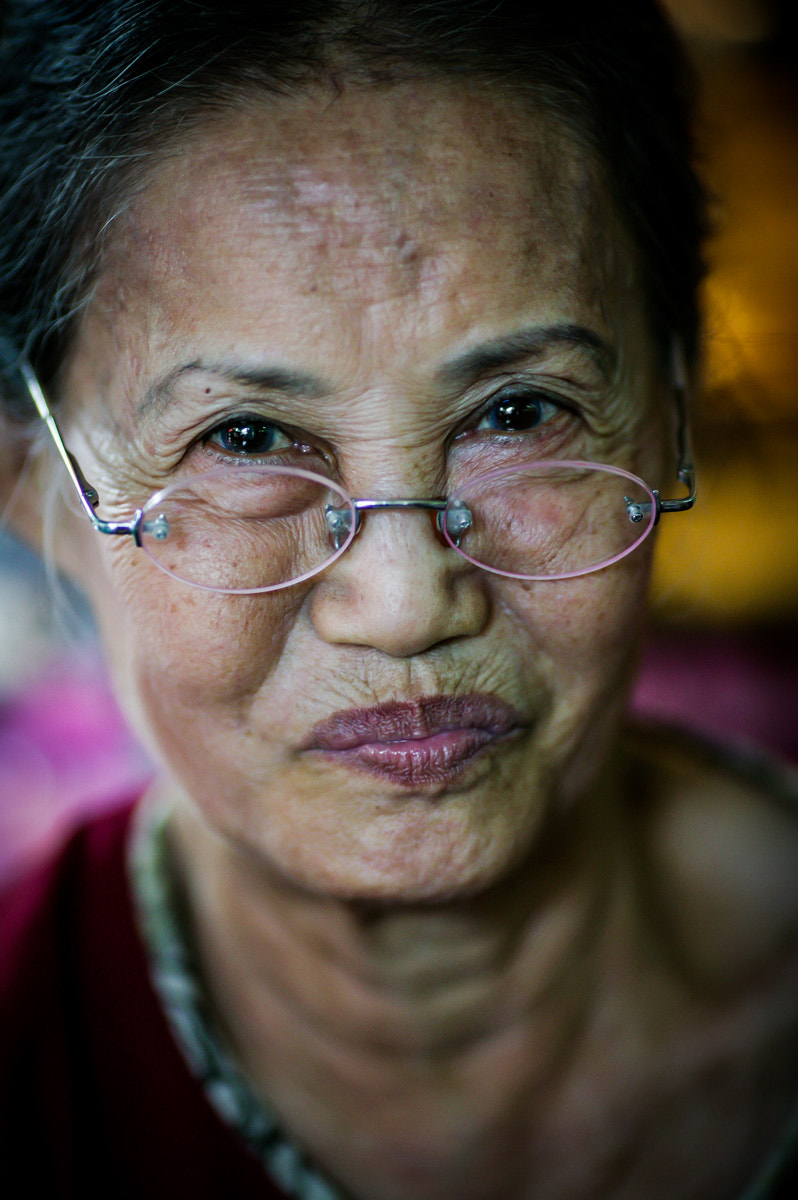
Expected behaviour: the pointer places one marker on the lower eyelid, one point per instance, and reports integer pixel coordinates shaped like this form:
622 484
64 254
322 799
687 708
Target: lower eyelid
292 454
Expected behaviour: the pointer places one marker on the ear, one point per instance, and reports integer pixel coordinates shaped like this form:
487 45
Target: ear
678 365
32 478
24 469
682 391
19 507
20 480
32 503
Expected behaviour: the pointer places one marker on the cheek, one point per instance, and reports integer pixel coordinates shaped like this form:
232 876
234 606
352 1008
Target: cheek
180 656
581 637
585 624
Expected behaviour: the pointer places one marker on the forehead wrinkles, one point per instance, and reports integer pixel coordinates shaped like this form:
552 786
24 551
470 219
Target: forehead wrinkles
360 205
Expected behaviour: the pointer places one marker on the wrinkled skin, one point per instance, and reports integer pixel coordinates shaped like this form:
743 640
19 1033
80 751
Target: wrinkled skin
428 1019
367 246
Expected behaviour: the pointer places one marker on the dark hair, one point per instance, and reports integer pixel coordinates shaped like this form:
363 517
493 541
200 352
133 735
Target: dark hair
92 90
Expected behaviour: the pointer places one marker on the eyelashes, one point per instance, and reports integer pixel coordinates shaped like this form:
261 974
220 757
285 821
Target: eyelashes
248 435
519 409
514 409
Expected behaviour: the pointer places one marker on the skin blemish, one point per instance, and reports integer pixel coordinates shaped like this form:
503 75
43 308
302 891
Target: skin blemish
367 276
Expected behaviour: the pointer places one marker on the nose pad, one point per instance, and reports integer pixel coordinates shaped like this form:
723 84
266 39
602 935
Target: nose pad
339 523
397 589
453 521
450 522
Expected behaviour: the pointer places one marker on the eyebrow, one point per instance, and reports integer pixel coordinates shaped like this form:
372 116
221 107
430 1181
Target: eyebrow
528 343
459 371
267 378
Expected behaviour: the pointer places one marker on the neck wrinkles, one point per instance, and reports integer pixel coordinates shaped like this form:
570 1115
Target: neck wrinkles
434 982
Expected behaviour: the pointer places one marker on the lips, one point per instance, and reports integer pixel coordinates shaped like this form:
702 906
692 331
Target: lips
414 743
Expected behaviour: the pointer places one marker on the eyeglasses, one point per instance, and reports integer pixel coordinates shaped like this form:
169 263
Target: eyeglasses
244 529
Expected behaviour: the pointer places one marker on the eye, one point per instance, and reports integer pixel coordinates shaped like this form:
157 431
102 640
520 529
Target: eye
248 435
518 409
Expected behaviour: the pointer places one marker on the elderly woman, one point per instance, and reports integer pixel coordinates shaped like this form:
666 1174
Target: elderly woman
363 333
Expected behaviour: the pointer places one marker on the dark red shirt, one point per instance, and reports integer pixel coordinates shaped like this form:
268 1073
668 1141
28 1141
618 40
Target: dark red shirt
93 1089
94 1092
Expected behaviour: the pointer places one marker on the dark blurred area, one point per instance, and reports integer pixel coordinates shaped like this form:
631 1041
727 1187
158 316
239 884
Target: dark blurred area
724 641
737 558
722 655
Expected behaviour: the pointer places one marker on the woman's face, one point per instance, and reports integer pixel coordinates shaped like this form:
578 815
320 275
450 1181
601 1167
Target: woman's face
366 277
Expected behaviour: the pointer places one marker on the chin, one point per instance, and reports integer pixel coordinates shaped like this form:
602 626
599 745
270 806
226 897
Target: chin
416 852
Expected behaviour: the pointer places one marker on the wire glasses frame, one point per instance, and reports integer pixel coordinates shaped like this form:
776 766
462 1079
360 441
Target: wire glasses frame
342 519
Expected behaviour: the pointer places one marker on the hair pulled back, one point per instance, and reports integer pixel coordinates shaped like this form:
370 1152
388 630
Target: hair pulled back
92 92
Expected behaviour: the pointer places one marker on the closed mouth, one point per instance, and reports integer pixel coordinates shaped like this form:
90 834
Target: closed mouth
431 740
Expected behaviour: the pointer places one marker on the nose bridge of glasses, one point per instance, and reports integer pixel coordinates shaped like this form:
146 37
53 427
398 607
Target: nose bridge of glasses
450 519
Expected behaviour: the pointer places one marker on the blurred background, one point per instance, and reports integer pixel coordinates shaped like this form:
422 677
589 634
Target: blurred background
722 650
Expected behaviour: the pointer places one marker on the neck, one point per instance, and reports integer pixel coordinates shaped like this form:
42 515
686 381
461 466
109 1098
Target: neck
401 1013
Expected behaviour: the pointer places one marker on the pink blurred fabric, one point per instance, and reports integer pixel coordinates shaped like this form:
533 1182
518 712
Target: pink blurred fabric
737 685
65 752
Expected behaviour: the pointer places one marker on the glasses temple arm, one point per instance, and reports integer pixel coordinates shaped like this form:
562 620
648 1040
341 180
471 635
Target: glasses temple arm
88 495
685 469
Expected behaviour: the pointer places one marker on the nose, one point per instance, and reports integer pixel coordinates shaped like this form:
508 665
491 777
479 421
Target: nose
399 589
